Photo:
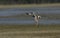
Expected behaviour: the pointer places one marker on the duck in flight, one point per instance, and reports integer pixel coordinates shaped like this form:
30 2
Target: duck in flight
35 16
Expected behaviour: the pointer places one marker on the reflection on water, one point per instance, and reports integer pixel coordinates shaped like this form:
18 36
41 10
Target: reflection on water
22 21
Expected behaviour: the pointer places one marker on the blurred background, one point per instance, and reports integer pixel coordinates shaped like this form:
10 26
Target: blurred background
14 23
4 2
13 11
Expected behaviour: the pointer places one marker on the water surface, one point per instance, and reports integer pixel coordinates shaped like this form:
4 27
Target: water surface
27 20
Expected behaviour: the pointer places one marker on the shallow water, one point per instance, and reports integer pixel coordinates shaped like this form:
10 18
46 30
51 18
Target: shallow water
26 20
29 21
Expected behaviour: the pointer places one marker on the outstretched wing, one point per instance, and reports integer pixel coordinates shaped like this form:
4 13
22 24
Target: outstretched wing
28 13
33 14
